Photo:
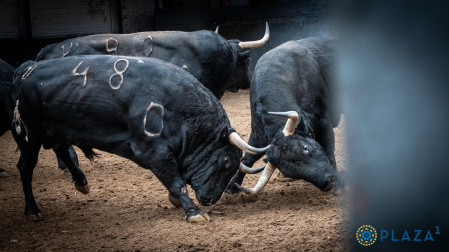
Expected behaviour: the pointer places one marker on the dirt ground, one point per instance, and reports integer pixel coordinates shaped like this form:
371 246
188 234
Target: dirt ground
127 208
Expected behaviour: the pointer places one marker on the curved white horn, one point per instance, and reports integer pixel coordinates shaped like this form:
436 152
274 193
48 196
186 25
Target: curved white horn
249 170
257 43
236 140
216 29
291 123
263 180
289 129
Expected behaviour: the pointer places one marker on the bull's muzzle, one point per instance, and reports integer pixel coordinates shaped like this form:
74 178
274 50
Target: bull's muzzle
331 183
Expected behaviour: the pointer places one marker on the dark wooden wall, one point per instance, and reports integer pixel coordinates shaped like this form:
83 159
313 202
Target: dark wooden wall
28 25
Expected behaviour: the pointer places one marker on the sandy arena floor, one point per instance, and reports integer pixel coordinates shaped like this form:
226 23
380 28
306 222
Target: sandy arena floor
127 208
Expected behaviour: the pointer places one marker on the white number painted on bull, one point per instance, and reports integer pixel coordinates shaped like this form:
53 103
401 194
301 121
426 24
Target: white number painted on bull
154 105
18 122
65 53
111 48
28 72
74 73
148 45
118 73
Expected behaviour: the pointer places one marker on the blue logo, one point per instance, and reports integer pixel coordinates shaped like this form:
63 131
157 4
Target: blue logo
366 235
417 235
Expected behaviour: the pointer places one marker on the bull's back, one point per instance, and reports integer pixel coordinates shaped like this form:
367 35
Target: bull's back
89 97
290 77
141 44
136 44
283 78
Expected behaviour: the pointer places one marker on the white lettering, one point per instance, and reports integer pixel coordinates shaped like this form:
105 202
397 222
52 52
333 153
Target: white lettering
118 73
148 45
113 46
74 73
65 53
28 72
145 120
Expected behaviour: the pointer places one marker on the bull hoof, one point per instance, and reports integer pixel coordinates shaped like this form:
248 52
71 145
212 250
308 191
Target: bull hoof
34 217
3 175
174 201
204 217
83 189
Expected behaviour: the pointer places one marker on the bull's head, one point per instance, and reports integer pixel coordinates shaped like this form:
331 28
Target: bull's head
296 156
243 48
219 165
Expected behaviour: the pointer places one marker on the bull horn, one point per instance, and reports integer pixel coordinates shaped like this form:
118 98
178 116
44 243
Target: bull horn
263 180
291 123
246 169
289 129
216 30
257 43
236 140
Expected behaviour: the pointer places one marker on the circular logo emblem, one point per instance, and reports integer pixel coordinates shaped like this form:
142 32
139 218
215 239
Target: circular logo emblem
366 235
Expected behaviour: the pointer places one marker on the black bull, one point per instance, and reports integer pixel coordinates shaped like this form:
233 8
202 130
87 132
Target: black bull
142 109
295 76
219 64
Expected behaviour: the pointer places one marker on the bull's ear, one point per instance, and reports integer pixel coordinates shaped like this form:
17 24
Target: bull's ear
243 56
224 135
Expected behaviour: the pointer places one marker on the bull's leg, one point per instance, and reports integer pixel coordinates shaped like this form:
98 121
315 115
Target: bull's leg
178 192
63 153
325 137
73 156
166 169
26 164
248 160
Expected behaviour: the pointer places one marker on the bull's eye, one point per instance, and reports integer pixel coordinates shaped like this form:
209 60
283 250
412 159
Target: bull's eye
306 148
226 161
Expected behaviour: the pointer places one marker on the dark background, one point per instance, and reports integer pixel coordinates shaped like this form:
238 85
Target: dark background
28 25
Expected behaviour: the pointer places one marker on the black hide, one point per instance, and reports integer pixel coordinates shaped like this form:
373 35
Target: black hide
142 109
219 64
